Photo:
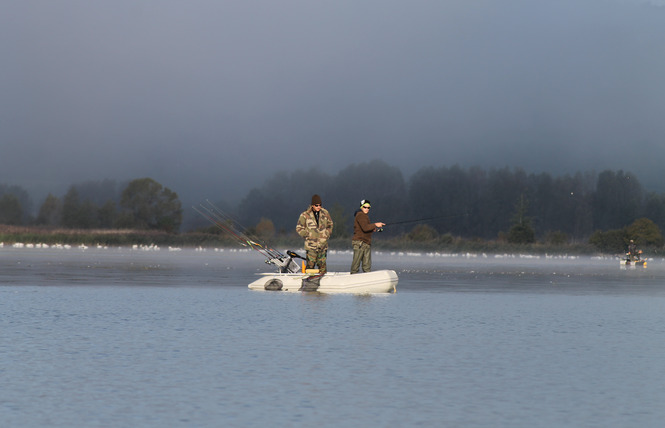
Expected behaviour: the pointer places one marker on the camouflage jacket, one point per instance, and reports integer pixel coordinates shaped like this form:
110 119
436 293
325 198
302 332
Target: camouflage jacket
316 236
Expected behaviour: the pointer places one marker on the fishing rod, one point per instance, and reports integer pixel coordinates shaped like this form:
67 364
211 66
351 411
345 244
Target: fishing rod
216 220
427 219
233 228
226 224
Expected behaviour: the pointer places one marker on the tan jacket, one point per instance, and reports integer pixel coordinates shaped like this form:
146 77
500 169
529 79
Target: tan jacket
316 236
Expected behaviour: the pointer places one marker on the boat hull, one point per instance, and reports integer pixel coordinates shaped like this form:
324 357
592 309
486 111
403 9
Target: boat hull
381 281
633 263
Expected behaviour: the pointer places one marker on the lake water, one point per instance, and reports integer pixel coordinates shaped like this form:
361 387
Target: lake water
145 338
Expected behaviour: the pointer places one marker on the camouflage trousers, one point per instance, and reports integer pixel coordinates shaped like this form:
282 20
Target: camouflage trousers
317 258
362 253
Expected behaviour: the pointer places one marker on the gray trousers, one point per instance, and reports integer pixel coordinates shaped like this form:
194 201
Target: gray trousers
362 253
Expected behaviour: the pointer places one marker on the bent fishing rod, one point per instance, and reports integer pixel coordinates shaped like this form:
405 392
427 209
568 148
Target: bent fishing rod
234 229
426 219
245 238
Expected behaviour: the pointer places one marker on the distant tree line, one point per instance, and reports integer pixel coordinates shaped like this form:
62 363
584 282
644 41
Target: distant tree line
606 209
142 204
474 203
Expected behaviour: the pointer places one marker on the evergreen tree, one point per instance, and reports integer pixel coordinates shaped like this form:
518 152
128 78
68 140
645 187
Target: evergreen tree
50 212
617 201
107 215
24 202
521 232
341 221
10 210
70 209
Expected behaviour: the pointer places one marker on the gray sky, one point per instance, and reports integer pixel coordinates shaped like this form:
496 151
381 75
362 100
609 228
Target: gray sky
210 97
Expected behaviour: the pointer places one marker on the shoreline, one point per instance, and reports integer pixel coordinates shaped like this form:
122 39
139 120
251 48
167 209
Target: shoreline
41 236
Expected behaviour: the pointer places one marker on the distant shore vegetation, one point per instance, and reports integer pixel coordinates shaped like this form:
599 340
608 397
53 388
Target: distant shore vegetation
450 209
36 236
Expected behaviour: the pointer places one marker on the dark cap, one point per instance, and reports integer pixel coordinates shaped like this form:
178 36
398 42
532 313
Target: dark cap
316 199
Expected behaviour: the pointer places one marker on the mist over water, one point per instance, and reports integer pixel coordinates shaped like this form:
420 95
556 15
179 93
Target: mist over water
211 98
159 337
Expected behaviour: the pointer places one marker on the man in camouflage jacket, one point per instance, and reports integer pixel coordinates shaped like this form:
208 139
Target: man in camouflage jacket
315 225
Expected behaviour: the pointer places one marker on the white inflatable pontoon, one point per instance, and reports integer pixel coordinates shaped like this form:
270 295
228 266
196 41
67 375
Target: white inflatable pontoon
380 281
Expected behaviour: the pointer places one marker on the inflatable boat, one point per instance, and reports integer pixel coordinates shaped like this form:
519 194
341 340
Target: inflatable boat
380 281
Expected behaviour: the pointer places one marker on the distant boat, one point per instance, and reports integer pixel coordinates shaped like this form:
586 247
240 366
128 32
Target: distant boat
633 263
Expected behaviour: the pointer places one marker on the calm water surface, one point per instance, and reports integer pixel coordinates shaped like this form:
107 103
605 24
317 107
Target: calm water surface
131 338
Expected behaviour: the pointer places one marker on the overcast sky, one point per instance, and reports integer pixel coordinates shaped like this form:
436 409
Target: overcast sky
210 97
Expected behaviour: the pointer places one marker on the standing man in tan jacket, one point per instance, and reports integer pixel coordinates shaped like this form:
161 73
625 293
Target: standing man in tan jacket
316 226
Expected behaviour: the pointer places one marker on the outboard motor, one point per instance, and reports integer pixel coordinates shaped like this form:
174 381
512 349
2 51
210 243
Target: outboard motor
285 264
310 283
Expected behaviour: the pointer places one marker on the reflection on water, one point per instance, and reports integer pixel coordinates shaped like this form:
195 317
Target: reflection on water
121 337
